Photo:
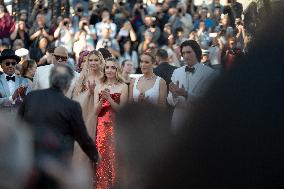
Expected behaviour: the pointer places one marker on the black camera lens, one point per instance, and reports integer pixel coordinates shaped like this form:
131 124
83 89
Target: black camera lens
65 23
141 6
39 6
120 3
179 10
79 9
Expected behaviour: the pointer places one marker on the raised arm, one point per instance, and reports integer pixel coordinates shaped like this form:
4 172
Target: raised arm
162 93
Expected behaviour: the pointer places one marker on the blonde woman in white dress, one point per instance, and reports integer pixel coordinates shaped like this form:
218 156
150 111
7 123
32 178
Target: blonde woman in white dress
148 87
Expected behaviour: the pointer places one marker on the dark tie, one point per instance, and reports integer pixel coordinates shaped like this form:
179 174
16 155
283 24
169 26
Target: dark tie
190 69
12 78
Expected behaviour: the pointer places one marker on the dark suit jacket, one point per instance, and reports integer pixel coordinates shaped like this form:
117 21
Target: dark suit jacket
52 110
165 71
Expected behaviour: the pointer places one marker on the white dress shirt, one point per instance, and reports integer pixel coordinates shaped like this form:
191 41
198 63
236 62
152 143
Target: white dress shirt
12 86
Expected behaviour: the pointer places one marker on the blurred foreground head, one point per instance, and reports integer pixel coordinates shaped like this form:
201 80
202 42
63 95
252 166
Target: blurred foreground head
15 153
142 135
235 137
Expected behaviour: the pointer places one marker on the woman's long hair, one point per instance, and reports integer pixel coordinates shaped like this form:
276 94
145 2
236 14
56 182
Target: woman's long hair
26 65
118 76
86 70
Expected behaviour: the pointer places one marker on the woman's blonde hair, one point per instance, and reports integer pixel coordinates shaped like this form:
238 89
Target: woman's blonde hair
118 75
86 70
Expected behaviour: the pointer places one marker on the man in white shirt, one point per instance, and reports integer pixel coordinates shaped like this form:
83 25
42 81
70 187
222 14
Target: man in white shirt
13 88
41 78
189 82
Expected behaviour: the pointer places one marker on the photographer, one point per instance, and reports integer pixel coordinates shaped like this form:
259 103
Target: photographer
63 35
149 25
181 19
21 32
120 11
106 22
109 43
88 30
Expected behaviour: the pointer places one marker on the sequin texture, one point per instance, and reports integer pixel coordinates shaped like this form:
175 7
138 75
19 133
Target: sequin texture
106 168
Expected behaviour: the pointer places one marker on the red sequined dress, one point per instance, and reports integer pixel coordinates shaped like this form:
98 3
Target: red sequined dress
106 167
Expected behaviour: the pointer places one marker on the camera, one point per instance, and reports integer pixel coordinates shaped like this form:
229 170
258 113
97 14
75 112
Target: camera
40 6
65 23
141 6
179 10
120 3
79 9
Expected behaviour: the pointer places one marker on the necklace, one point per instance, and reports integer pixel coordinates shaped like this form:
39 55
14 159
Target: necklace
148 78
110 85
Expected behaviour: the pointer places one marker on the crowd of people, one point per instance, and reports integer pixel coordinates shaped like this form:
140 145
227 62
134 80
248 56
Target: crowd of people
101 87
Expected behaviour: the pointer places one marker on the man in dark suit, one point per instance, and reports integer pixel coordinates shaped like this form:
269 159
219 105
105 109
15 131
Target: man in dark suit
49 109
164 69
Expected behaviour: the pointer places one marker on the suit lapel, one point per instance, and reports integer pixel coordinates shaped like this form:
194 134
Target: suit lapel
5 86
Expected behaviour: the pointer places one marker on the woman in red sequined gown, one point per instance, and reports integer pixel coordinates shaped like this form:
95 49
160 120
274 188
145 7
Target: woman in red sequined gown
109 96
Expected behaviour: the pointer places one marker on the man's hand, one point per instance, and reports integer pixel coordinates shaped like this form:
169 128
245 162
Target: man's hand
176 91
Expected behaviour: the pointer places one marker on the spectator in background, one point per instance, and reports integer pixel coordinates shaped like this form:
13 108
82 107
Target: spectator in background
120 11
173 51
203 35
215 53
108 42
21 32
18 44
149 25
48 58
146 43
83 58
179 35
7 24
215 4
126 32
28 70
205 57
237 9
203 16
40 36
86 30
127 69
167 31
63 35
164 69
231 53
128 52
181 19
105 23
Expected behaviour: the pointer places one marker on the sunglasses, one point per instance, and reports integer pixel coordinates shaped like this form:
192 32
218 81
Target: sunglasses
10 63
63 58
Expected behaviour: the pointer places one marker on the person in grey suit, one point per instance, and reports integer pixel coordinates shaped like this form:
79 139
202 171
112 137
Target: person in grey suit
50 110
13 88
189 82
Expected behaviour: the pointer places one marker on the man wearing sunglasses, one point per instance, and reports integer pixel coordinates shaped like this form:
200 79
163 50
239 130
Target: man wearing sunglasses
41 78
13 88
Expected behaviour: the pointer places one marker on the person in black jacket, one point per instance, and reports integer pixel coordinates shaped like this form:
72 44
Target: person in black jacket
164 69
50 110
